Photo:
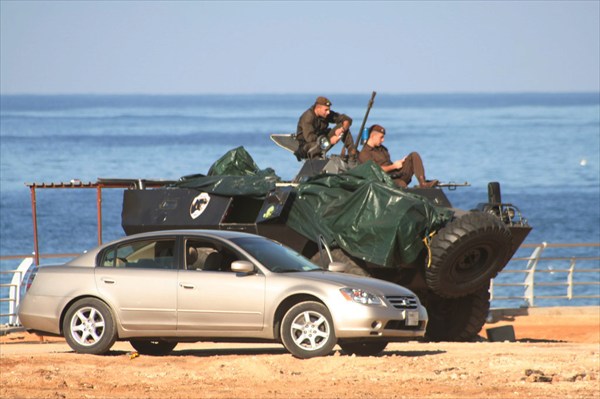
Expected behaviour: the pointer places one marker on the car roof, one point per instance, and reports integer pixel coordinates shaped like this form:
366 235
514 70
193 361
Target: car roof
226 234
88 258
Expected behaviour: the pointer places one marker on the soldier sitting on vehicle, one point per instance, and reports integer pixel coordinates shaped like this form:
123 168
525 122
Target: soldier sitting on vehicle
314 135
400 171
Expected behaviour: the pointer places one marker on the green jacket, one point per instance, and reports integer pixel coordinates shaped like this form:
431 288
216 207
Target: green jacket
310 127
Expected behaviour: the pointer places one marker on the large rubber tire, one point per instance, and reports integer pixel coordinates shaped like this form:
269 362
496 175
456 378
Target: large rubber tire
89 327
307 330
457 319
352 267
153 347
363 348
467 253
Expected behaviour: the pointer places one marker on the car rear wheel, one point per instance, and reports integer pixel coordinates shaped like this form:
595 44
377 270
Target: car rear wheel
467 253
363 348
153 347
89 327
307 330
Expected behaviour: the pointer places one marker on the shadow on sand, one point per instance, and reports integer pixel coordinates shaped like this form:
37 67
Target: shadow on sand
269 351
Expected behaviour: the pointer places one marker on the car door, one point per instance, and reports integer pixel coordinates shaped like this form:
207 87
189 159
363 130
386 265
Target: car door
139 280
213 298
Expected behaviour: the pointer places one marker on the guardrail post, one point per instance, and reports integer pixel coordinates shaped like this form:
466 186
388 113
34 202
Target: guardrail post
15 290
570 279
36 246
99 212
530 279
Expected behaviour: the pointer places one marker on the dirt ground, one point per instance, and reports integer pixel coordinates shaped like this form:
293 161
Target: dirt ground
556 355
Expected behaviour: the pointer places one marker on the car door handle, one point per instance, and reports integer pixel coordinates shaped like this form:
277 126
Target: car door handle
187 286
108 280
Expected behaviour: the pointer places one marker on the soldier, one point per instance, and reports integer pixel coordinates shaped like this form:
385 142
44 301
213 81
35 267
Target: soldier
400 171
314 124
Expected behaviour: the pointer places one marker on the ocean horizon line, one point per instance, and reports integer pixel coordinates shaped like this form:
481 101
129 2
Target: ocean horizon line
174 94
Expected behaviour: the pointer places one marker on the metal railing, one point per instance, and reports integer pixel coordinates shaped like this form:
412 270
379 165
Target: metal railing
524 287
573 277
15 290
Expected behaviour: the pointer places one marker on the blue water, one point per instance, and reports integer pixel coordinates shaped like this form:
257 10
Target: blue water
543 148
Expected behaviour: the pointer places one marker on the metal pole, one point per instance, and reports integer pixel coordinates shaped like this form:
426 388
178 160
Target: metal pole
359 135
36 249
99 206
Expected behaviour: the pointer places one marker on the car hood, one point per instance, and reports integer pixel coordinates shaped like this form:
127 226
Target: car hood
373 285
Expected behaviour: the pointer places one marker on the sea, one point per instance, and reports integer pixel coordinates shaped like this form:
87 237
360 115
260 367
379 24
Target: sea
543 148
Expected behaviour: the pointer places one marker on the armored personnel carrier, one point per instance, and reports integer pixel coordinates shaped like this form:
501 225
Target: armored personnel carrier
336 211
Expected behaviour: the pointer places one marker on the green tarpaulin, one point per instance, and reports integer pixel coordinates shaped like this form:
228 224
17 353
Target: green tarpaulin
366 215
234 174
362 211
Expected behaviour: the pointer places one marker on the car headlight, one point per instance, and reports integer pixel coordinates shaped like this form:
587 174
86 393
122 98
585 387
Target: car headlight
360 296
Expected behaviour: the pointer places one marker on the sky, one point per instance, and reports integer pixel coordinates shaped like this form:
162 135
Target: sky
245 47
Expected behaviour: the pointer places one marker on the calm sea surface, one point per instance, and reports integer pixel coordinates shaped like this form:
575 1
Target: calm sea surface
543 148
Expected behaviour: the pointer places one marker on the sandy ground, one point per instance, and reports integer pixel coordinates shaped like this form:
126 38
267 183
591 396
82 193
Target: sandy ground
556 355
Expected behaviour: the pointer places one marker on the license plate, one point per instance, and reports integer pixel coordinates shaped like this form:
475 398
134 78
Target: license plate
412 318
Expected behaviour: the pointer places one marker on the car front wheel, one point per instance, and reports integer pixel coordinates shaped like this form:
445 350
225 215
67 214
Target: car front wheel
307 330
154 347
89 327
363 348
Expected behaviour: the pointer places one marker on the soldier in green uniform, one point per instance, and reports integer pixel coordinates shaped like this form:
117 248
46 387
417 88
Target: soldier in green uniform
401 171
314 124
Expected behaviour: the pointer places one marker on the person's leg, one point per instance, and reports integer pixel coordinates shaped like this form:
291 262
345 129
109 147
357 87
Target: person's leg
400 183
408 170
417 168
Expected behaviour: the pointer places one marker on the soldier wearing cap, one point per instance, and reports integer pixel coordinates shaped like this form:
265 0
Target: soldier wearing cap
400 171
314 123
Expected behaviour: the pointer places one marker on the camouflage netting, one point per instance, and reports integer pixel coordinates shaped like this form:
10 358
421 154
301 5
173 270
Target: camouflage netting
362 211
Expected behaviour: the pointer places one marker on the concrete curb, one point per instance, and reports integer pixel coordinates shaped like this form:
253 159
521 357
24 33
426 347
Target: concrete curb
501 313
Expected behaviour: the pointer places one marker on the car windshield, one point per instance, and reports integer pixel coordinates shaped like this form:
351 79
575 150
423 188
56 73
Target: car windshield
275 257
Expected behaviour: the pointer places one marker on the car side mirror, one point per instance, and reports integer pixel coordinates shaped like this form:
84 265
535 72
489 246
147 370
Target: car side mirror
242 266
337 267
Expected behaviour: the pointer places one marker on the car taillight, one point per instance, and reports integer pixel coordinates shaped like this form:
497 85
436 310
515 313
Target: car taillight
29 278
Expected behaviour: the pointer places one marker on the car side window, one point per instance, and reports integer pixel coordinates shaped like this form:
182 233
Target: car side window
152 254
208 256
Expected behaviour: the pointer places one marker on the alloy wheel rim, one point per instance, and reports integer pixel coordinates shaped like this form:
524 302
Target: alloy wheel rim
310 330
87 326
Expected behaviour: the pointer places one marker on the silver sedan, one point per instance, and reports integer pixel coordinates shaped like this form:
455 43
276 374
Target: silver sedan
157 289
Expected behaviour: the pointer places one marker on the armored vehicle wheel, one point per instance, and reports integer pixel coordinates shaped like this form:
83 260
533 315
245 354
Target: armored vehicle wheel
467 253
153 347
457 319
338 255
363 348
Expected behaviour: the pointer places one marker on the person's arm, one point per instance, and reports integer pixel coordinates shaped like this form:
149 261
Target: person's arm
383 161
393 166
336 118
389 168
336 135
345 122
